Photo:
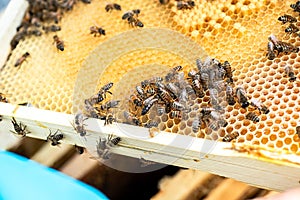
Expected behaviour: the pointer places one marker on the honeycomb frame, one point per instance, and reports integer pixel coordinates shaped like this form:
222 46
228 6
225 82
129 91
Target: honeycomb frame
226 30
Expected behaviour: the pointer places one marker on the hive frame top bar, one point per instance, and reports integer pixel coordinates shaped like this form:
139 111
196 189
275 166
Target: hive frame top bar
234 160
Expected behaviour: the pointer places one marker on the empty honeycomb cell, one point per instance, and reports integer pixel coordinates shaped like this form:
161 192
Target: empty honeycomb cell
269 123
285 100
295 116
291 131
294 147
256 95
264 140
296 138
169 123
258 134
275 128
252 128
145 118
162 126
279 144
240 117
175 129
287 141
273 137
229 129
237 126
243 131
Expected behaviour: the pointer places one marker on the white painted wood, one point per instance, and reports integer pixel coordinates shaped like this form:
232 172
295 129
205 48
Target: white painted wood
255 165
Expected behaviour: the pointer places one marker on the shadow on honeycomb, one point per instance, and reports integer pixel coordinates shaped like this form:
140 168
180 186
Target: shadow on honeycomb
233 30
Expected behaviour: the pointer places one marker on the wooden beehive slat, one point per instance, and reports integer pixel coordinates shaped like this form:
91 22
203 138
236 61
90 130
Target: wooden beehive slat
225 159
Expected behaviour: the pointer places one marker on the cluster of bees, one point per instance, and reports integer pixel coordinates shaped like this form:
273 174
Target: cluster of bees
42 16
55 138
174 93
181 5
275 46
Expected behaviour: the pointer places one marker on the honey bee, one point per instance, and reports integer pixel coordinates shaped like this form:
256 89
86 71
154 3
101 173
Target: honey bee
55 16
218 118
242 97
271 54
35 21
55 138
140 91
97 30
176 114
101 95
173 90
104 146
230 95
261 107
68 4
196 124
22 59
150 91
296 6
89 109
177 106
151 124
287 18
113 141
291 29
227 68
182 5
231 136
19 129
195 78
145 163
290 73
59 43
171 75
161 109
213 124
78 125
52 28
132 18
298 130
164 95
136 101
252 116
215 99
112 6
148 103
79 149
282 47
86 1
164 2
132 119
34 31
20 35
3 98
109 119
135 22
110 104
131 14
102 149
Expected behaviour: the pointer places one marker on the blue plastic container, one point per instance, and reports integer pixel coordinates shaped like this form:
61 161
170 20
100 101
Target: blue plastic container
24 179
